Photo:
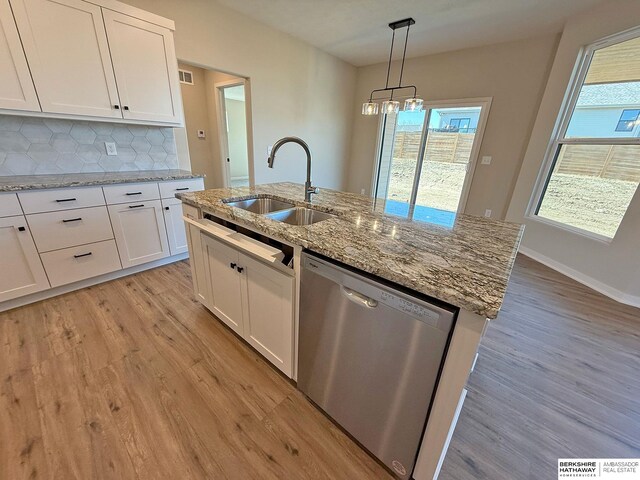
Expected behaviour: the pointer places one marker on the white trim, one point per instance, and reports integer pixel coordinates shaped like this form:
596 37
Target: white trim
54 292
598 286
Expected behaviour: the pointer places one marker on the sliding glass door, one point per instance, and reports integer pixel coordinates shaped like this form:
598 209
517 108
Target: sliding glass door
426 159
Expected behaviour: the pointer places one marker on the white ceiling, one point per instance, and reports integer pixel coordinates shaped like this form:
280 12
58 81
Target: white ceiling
357 31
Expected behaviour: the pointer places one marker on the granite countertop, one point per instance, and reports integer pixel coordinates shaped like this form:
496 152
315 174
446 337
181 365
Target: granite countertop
465 262
35 182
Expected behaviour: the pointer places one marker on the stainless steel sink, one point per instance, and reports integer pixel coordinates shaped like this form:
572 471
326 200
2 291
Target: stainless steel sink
261 205
300 216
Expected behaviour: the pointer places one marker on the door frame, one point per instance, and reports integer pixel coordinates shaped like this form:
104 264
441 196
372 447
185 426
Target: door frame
484 102
222 131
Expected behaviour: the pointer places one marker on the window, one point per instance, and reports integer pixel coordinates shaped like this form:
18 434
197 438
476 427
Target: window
594 159
628 120
459 124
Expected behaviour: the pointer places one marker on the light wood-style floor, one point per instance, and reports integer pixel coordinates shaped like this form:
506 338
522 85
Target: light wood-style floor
135 379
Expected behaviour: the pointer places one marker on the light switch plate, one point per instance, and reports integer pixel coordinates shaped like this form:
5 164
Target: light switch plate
111 148
486 160
487 213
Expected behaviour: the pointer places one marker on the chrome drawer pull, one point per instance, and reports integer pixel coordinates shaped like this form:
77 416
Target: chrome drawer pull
66 200
72 220
83 255
135 206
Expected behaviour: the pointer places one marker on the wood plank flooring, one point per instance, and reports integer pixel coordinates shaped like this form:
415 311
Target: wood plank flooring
558 376
134 379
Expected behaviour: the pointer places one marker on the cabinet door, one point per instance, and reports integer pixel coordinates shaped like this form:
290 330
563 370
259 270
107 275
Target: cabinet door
198 267
16 87
146 68
225 283
269 321
66 46
176 231
21 266
140 232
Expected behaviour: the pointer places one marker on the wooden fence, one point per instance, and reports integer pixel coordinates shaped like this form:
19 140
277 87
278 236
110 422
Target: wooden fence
620 162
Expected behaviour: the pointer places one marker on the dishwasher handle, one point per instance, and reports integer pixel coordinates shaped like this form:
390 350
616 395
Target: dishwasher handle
358 298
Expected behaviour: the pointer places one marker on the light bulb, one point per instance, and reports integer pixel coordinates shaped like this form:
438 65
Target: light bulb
369 108
390 106
413 105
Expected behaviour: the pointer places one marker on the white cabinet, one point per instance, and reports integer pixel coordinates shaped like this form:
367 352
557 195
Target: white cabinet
176 232
66 47
9 205
139 231
16 87
22 271
226 285
269 320
198 266
253 299
145 66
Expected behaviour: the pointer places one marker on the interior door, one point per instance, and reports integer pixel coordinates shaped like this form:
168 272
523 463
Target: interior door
269 322
233 135
427 159
16 86
140 232
146 68
226 283
66 45
24 273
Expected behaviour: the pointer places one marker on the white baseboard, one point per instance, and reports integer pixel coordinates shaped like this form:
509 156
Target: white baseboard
598 286
53 292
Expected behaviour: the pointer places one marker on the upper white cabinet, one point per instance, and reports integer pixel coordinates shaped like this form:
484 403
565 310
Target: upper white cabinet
88 60
67 50
16 86
23 272
145 62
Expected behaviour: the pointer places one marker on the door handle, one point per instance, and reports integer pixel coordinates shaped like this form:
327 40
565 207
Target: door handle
358 297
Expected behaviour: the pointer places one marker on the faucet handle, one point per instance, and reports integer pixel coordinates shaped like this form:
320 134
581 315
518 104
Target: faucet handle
313 190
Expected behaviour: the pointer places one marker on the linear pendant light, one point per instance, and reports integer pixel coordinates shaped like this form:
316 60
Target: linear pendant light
390 105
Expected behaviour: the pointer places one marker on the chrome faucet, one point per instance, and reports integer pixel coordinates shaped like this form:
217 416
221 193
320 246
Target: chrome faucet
308 189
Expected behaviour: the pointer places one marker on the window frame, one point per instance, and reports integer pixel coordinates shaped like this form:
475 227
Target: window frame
620 120
579 74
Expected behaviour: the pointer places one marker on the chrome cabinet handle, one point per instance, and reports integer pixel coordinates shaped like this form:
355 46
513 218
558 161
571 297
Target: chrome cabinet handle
358 297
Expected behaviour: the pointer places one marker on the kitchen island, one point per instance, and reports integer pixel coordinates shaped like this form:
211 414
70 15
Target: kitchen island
465 265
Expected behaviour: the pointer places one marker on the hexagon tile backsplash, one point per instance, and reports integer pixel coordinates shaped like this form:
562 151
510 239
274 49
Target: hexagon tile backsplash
31 146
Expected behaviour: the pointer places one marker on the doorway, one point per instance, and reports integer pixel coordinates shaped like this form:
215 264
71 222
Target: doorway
233 132
217 112
426 159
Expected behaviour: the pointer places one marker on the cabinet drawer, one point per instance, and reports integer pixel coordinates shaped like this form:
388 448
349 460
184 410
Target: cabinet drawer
61 199
169 189
9 205
56 230
77 263
131 192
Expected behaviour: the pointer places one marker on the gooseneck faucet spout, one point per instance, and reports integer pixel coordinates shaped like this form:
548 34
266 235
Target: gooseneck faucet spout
308 189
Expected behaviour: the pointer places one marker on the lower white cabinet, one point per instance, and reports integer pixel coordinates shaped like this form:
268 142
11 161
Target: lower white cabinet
176 232
253 299
77 263
198 266
22 271
140 232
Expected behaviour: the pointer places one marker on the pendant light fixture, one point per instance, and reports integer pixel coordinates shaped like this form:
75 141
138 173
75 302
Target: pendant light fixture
413 104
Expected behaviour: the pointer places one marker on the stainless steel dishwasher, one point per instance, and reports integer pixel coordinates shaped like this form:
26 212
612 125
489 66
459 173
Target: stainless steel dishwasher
369 356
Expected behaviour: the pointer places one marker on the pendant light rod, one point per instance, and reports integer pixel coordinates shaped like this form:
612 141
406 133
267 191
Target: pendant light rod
393 37
404 54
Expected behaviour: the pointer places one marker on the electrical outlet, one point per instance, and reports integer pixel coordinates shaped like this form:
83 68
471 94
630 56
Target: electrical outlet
111 148
201 134
362 191
486 160
487 212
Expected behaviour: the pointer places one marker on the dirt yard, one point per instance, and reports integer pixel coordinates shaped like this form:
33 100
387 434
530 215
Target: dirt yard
592 203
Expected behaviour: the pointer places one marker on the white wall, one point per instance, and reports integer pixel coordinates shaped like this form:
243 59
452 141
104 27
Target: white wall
612 266
296 89
513 73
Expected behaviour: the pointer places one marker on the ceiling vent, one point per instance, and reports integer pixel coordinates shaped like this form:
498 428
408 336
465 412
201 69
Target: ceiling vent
186 77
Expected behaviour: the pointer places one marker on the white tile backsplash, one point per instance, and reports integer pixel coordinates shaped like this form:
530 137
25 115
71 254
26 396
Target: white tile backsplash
31 146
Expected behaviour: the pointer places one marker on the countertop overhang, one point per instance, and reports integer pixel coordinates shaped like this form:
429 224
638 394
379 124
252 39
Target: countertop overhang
466 265
36 182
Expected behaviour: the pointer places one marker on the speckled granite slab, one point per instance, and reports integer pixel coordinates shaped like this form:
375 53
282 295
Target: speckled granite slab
35 182
467 265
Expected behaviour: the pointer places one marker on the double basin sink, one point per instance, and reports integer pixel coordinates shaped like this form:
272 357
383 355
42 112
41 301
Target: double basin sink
284 212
